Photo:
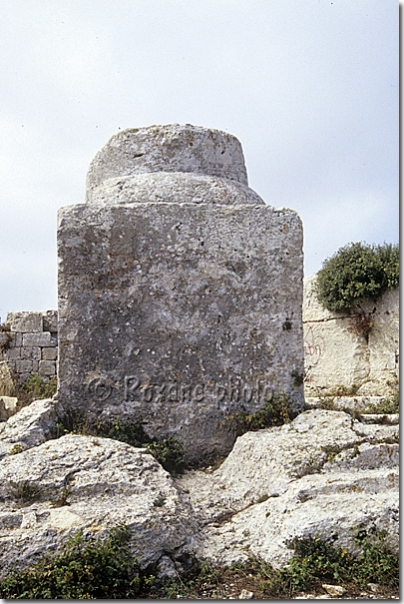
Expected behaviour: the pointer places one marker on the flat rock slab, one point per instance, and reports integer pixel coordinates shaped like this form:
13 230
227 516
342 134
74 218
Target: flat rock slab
179 314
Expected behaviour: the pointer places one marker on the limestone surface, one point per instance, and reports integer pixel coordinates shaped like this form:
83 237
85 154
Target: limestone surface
173 187
180 291
168 148
323 474
109 483
370 366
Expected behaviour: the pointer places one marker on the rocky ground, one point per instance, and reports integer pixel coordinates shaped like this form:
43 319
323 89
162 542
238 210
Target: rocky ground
323 474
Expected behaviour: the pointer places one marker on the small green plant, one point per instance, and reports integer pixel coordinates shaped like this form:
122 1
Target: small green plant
159 501
128 431
87 569
276 412
35 388
387 405
317 560
297 378
169 452
357 272
17 448
62 499
24 492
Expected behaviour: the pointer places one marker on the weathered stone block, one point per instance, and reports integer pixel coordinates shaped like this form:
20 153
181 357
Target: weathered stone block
47 368
37 339
25 321
338 359
31 352
173 148
50 320
12 354
25 366
179 314
49 354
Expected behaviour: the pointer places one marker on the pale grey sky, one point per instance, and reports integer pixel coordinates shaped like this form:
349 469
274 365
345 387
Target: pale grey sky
310 88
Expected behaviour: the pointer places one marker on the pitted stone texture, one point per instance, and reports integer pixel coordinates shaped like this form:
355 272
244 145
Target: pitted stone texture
179 314
371 366
25 321
176 187
171 148
110 483
30 426
320 475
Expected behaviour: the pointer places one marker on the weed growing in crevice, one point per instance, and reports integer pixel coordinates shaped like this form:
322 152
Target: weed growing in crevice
24 492
169 452
276 412
388 405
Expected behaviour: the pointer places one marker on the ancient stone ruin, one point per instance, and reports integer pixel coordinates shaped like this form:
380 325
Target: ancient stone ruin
180 303
180 291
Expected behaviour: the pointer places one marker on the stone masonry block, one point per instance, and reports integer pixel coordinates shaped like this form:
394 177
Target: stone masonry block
25 321
31 352
47 368
37 339
25 366
180 291
50 320
49 354
179 315
12 354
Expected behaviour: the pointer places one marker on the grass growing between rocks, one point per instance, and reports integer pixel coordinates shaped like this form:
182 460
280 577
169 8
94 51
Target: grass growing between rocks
276 412
169 452
33 389
90 568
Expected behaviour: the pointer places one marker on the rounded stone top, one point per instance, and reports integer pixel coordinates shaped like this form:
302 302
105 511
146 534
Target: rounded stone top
170 148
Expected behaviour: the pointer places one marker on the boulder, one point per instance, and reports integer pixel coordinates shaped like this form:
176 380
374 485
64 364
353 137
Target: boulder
77 482
31 426
324 474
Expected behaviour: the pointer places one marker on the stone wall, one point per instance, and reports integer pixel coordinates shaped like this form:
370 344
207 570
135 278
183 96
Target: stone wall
337 360
31 345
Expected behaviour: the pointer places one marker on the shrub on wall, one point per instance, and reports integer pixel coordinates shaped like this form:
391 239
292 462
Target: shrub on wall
357 272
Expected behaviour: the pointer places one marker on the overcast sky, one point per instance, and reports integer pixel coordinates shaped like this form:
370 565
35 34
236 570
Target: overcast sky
309 87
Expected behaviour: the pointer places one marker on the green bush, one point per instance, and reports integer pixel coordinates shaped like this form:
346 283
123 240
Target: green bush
317 560
86 569
357 272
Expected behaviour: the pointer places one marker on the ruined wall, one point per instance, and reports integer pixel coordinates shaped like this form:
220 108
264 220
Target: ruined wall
31 344
337 359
